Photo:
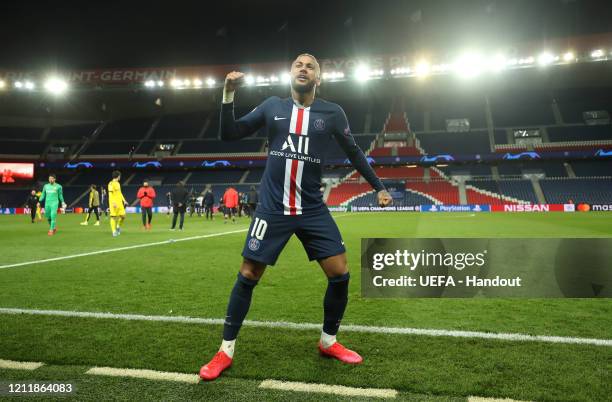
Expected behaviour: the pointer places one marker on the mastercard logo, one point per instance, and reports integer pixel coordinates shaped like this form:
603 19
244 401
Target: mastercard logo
584 207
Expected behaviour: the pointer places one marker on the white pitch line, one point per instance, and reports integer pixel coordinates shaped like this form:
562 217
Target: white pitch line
11 364
513 337
146 374
112 250
328 389
483 399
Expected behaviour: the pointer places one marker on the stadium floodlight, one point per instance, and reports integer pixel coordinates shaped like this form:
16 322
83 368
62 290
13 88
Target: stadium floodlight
2 84
597 53
569 56
149 83
18 84
186 83
400 71
210 82
377 73
56 85
29 85
332 75
526 61
468 65
512 62
249 79
160 83
422 68
498 63
285 78
176 83
362 73
197 83
545 59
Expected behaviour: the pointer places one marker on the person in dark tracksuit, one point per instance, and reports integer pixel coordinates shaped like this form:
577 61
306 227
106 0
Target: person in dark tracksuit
252 201
180 197
192 203
31 203
209 201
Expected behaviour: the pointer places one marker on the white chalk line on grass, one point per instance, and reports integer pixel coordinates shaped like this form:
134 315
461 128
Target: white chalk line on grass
146 374
14 365
514 337
328 389
290 386
112 250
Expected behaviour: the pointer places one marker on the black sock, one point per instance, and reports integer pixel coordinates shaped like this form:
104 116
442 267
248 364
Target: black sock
334 303
238 307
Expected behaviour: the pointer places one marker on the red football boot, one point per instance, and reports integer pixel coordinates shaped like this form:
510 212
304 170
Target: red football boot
50 232
215 367
337 351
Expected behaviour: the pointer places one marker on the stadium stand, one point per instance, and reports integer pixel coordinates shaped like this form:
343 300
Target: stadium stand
592 191
175 126
127 129
474 142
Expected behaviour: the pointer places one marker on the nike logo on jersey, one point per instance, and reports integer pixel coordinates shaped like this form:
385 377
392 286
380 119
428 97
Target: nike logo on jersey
279 118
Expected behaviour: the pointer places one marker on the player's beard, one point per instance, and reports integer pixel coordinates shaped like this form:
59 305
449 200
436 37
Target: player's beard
302 88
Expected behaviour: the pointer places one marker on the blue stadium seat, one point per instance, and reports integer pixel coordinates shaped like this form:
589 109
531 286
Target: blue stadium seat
455 143
592 191
127 129
25 133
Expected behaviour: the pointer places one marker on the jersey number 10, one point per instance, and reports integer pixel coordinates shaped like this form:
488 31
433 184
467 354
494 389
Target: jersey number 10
259 229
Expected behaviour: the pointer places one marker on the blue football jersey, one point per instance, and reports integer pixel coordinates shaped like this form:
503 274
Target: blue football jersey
298 139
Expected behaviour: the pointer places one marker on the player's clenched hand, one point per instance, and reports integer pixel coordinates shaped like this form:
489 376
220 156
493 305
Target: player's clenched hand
384 198
233 80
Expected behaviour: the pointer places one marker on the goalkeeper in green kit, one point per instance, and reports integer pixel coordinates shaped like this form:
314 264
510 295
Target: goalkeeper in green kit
52 195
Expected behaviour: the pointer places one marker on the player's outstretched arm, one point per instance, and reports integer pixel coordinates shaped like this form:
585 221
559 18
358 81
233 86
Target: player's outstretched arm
231 129
347 142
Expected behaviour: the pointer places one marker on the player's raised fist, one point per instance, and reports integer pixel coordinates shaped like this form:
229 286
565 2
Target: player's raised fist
233 80
384 198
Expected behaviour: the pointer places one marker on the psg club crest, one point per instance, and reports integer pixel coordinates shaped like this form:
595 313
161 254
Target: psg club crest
319 124
254 244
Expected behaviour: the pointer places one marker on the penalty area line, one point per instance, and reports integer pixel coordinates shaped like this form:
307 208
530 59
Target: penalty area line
512 337
113 250
328 389
146 374
15 365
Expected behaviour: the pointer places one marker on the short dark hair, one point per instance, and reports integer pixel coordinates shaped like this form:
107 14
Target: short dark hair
116 174
92 186
52 175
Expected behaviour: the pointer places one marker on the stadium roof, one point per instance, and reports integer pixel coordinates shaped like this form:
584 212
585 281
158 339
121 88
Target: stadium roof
138 34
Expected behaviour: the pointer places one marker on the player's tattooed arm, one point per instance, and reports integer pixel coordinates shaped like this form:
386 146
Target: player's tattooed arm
230 127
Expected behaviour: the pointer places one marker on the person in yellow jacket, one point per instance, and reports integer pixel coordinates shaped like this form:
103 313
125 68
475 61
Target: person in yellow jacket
93 206
38 210
116 202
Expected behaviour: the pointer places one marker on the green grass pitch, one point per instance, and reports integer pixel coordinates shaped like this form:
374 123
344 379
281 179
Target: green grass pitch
194 278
